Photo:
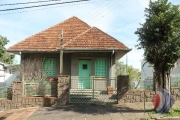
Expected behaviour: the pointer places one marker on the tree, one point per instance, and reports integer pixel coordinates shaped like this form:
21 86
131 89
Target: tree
159 36
134 74
4 56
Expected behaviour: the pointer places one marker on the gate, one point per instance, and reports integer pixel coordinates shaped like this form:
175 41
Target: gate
101 91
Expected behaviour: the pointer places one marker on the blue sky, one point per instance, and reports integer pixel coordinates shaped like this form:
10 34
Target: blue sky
118 18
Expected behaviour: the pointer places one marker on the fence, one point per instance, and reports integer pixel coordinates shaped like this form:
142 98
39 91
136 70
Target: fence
40 88
147 82
175 81
93 90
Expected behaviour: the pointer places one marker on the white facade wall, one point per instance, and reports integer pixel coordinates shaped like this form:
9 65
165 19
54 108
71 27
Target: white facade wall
6 75
2 74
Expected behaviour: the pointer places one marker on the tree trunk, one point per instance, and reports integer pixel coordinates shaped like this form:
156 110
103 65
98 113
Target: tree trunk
159 78
167 81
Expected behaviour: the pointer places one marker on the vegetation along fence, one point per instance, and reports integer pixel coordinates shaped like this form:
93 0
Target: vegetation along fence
40 88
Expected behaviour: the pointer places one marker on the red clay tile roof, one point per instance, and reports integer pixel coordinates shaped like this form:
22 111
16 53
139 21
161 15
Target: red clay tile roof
94 38
77 35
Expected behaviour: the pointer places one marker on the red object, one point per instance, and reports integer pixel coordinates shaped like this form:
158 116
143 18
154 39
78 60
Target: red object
52 79
110 90
156 100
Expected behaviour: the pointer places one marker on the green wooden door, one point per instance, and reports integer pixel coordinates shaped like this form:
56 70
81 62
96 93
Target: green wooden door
84 74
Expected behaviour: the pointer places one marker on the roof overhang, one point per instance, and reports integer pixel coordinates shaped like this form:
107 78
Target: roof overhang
18 52
70 50
94 50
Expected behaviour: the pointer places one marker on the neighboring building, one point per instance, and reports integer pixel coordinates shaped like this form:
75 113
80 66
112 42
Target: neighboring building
8 74
147 74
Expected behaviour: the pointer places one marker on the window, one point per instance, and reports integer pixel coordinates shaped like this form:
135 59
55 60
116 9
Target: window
85 66
49 66
101 68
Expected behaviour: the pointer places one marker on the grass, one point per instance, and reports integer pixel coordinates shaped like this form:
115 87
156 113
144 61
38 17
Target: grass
174 112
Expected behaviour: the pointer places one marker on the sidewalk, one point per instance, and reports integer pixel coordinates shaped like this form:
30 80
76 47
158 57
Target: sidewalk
128 111
17 114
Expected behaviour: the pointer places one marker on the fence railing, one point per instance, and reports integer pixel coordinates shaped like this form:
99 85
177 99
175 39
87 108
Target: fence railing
92 82
40 88
147 82
93 90
175 81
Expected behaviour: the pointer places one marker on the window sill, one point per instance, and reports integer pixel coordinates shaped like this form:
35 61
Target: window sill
100 78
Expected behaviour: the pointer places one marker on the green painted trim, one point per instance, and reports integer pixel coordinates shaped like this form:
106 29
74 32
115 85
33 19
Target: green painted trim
101 70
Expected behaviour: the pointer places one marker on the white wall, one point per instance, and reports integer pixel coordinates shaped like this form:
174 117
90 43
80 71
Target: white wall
2 73
6 78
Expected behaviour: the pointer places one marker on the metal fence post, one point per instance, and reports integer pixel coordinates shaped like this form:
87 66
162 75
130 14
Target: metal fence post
69 89
93 89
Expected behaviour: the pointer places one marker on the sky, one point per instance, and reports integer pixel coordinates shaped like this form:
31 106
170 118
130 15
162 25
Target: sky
118 18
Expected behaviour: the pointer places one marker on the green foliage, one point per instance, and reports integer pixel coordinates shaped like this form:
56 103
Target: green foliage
159 36
4 56
134 74
174 112
38 88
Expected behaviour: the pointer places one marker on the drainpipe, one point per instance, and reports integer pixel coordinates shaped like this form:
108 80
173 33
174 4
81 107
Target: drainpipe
20 66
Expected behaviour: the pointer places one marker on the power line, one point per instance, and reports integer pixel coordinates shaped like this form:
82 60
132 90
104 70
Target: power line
28 2
110 7
54 7
43 5
126 24
110 11
95 11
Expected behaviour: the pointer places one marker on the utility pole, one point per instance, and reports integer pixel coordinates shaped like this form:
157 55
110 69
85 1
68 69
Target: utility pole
61 53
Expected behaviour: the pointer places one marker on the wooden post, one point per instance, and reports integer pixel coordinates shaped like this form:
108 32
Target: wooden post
61 53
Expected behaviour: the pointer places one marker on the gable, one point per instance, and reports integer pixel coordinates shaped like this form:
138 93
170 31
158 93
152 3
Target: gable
49 39
77 35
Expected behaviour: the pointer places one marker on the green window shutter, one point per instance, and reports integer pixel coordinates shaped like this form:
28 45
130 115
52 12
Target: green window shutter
101 68
49 66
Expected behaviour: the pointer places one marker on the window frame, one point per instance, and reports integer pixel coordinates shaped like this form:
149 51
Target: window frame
46 72
105 67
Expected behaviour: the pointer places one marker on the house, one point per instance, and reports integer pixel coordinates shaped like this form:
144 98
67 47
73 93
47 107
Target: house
88 53
8 74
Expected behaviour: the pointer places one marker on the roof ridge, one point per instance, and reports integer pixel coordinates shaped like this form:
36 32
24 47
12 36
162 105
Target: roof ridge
110 36
80 20
36 34
70 41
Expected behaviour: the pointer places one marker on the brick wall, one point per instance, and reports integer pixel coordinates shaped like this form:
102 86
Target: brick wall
175 92
63 89
20 101
131 96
